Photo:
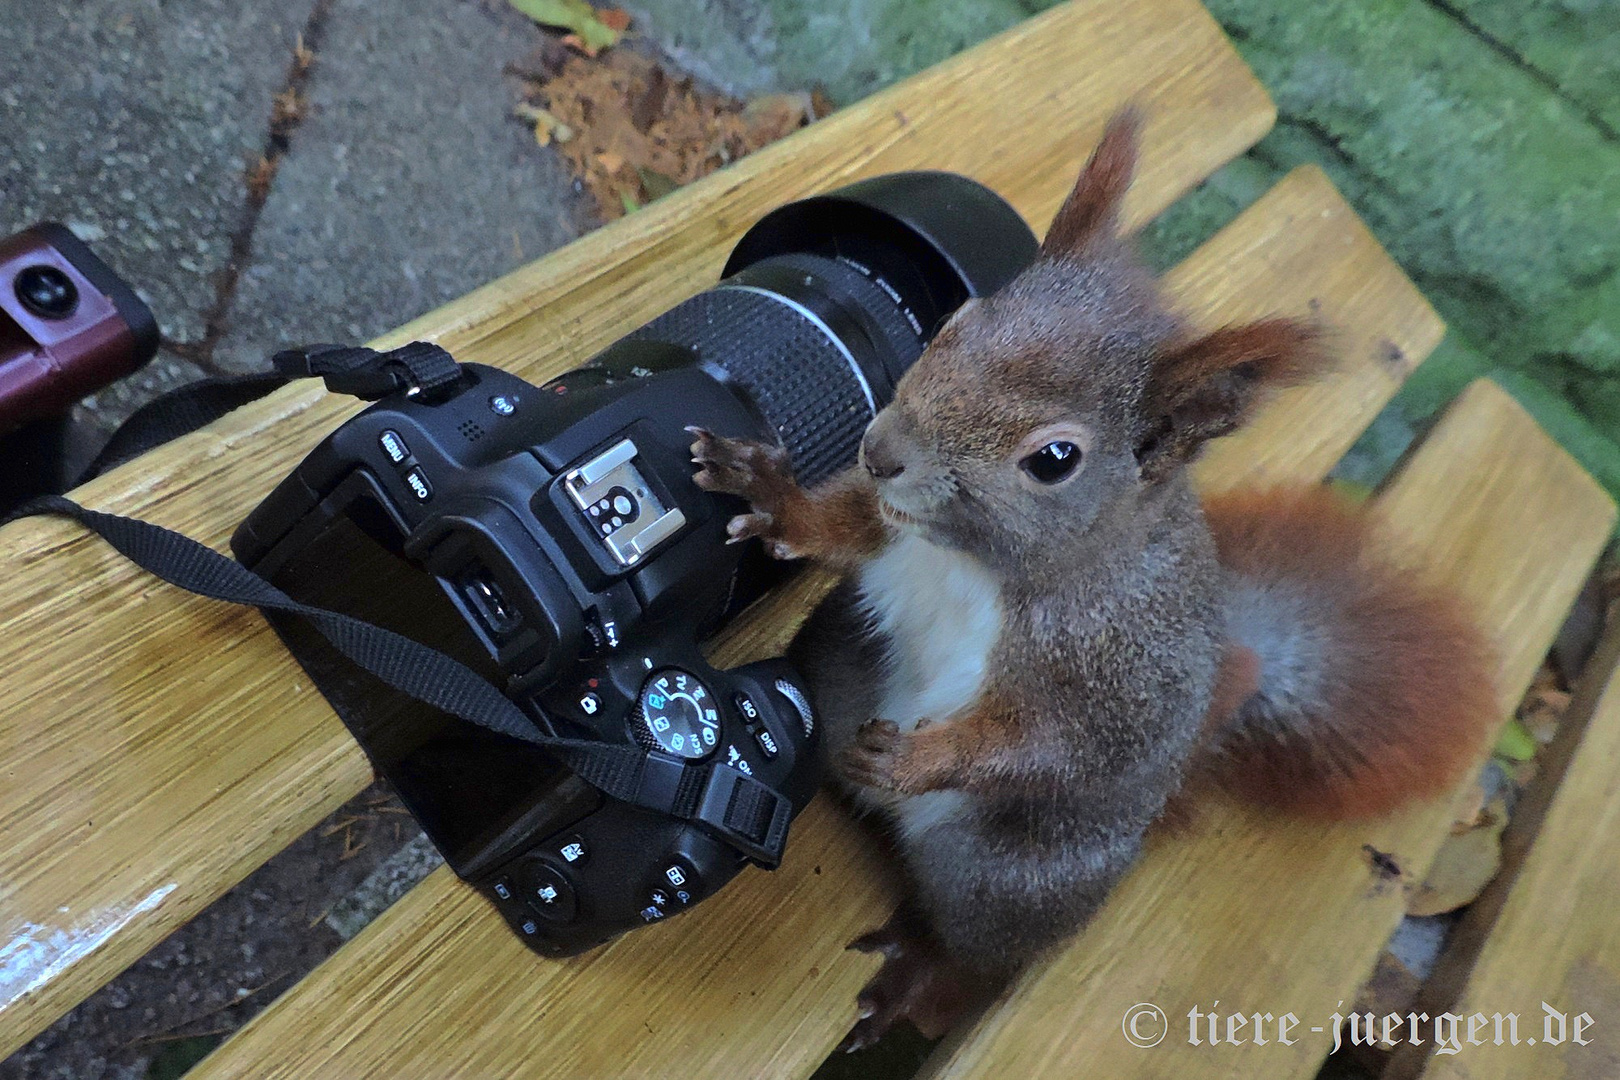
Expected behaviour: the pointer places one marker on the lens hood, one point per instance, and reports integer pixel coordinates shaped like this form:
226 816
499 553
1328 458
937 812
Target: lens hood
938 237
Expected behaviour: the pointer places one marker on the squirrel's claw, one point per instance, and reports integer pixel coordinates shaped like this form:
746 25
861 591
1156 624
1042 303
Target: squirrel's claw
760 473
756 471
746 526
874 755
917 982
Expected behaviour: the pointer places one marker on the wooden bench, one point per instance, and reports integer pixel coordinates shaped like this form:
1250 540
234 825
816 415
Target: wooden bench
183 747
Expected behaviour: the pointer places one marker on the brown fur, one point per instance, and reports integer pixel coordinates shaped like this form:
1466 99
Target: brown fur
837 524
1414 699
977 751
1209 386
1091 212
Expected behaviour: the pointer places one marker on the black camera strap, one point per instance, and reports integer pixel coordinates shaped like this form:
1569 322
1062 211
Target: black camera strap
746 813
417 368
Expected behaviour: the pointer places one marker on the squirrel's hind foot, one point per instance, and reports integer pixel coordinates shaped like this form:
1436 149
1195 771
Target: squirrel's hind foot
917 982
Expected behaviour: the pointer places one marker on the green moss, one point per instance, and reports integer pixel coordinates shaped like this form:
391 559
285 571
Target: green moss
1199 214
1574 43
1499 198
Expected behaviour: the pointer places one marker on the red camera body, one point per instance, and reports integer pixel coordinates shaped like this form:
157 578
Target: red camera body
68 325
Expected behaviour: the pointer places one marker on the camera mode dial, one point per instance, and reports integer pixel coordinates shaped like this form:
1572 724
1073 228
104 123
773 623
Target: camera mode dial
678 714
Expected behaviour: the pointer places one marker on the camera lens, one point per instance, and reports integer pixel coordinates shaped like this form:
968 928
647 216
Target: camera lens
47 292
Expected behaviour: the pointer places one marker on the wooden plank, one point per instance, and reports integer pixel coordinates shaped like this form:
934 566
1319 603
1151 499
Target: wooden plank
158 748
1278 915
1557 940
756 982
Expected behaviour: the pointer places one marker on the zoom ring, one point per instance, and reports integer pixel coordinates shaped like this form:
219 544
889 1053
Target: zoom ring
790 366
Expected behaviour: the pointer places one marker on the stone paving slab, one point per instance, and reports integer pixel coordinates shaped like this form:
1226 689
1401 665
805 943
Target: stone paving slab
133 121
407 184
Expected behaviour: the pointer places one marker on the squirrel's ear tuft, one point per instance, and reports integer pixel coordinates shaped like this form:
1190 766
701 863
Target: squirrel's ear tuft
1092 208
1208 387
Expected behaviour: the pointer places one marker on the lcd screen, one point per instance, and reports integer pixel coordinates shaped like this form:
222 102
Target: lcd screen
467 786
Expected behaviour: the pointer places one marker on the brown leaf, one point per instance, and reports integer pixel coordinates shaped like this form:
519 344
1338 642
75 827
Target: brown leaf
259 177
776 115
820 103
615 19
579 44
546 126
303 56
1391 989
648 106
655 185
628 114
1472 809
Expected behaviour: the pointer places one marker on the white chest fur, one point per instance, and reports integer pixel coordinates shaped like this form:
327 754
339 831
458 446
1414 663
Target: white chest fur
941 613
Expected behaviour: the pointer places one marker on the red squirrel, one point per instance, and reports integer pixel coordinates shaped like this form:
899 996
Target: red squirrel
1041 635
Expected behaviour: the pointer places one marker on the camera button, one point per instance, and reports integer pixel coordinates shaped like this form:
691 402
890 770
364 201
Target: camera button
767 743
394 447
573 850
47 292
746 706
503 888
548 892
417 481
680 875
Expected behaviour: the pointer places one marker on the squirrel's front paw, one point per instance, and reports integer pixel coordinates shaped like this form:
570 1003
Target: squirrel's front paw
758 472
874 758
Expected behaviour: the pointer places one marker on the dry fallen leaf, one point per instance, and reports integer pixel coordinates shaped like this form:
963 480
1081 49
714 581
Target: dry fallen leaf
546 126
1472 808
1465 864
639 132
655 184
574 41
777 115
615 19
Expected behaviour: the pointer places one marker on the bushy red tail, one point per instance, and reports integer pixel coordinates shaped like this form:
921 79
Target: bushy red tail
1374 687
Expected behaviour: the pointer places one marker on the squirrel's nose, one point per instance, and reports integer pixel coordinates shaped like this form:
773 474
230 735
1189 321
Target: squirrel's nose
879 461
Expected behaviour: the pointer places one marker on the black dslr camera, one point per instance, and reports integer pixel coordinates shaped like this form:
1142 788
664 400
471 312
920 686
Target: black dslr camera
552 539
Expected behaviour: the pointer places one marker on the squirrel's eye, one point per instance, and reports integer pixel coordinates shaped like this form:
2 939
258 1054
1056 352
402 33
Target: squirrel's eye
1054 462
